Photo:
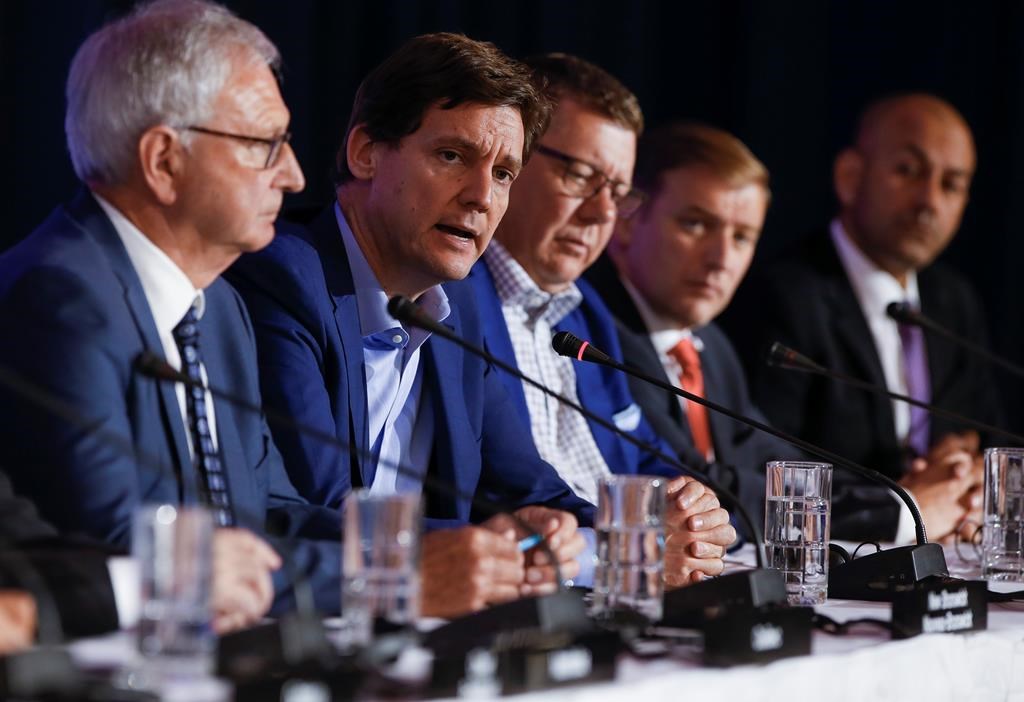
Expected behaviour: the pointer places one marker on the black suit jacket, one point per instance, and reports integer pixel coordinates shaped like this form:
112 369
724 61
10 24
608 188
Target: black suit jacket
806 301
70 572
740 451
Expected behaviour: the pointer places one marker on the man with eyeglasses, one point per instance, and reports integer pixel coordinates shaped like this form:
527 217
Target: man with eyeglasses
561 213
177 184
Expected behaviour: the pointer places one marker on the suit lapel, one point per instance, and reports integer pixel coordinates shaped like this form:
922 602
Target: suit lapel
338 274
86 211
443 381
854 335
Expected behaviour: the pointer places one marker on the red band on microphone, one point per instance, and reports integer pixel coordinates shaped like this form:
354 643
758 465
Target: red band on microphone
583 347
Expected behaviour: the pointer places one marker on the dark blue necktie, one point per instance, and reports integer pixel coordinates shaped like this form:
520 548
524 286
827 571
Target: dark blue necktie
204 454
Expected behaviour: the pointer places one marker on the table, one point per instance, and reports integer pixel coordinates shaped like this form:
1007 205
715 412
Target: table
865 665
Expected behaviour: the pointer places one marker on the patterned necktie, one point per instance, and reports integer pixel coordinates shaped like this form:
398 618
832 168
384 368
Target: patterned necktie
692 380
915 370
204 454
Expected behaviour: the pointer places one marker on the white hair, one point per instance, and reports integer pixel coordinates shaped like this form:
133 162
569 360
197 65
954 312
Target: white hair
165 63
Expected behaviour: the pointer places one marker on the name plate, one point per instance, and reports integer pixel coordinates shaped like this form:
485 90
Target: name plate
757 635
940 606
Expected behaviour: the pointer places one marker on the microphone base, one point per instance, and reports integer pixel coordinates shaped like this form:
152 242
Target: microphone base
40 672
292 646
691 605
878 576
562 612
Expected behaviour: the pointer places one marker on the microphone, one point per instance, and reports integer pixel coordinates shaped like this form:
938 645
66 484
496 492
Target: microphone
743 591
563 611
298 638
868 577
405 310
904 313
781 356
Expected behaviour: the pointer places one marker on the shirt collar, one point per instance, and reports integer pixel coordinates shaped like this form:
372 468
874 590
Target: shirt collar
664 333
516 288
376 325
875 289
168 290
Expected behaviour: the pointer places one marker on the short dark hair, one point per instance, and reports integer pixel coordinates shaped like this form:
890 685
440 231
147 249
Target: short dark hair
565 75
682 144
447 70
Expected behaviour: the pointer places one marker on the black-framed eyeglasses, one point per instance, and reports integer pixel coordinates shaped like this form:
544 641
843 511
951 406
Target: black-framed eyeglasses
583 180
275 145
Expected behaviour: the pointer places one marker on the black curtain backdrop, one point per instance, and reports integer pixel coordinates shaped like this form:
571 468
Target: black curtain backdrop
787 77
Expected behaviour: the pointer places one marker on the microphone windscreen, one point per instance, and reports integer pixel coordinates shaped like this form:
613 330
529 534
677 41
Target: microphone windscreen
566 344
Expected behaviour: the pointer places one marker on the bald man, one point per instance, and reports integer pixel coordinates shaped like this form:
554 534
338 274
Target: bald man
902 187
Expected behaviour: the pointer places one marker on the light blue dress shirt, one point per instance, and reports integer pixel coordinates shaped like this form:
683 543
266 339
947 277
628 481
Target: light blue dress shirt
401 424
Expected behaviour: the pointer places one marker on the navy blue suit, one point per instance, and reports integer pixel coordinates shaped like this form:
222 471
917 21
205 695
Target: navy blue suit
300 294
600 389
74 317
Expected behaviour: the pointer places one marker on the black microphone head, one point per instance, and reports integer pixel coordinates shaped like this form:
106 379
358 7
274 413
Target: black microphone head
400 307
152 365
778 355
566 344
900 311
782 356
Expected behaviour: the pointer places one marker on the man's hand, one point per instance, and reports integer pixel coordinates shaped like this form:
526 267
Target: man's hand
942 484
697 530
17 621
559 530
242 589
464 570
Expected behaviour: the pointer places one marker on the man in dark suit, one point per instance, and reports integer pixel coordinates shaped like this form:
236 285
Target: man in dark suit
178 183
561 213
671 268
437 135
902 187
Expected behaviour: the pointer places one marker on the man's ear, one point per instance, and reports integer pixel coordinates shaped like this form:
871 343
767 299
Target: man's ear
361 153
622 235
846 175
162 161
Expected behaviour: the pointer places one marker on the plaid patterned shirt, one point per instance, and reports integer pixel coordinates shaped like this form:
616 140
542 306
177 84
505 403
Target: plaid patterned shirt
561 433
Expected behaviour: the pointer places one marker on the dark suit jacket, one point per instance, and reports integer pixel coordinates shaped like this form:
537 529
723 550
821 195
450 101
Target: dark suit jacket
807 302
600 389
300 293
72 573
74 317
740 451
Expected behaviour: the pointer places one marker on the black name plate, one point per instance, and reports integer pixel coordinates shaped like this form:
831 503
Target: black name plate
940 606
757 635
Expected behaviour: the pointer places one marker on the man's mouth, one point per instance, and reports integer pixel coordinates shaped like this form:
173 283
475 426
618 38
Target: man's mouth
457 231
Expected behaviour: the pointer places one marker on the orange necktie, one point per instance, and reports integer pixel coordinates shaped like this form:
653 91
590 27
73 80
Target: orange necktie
692 380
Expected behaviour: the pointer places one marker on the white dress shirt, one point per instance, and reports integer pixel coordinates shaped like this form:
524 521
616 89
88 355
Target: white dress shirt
665 335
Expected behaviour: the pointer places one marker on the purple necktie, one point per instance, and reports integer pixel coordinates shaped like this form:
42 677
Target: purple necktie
915 365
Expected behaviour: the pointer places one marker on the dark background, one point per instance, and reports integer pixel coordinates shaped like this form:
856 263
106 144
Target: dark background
787 77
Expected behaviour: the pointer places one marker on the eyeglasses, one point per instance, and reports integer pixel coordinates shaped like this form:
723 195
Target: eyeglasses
580 179
274 145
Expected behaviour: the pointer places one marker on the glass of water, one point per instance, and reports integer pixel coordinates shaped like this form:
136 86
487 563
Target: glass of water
173 546
1002 538
380 562
630 547
796 527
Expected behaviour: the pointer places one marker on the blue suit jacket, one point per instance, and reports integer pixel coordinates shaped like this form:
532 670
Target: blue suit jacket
600 389
74 316
300 294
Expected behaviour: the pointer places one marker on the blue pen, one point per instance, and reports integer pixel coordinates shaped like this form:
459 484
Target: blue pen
530 541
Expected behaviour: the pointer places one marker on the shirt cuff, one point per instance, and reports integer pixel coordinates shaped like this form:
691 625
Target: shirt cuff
124 579
587 559
906 530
